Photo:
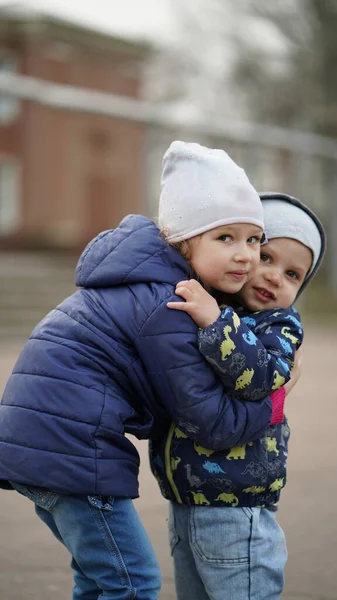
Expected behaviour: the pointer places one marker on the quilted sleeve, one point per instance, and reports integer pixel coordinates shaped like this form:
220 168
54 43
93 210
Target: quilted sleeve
252 365
186 385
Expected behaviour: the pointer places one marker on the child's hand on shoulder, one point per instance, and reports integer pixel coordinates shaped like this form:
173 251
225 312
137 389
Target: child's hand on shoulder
199 304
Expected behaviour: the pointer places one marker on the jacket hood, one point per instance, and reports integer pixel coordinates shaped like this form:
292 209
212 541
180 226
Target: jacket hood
299 204
134 252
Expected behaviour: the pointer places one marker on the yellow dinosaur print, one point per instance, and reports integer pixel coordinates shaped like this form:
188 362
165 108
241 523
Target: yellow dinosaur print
179 434
227 345
202 451
271 445
285 332
278 382
238 452
200 498
254 489
174 463
276 485
236 321
244 379
228 499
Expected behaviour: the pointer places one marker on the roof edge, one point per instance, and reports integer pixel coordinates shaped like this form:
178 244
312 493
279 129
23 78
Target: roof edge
16 20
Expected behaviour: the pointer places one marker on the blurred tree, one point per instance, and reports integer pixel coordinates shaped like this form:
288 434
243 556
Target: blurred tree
273 61
325 12
296 85
192 69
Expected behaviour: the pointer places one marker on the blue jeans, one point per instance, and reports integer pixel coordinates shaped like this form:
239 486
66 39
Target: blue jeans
222 553
112 556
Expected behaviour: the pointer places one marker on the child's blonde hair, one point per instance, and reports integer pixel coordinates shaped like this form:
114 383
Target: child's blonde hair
184 248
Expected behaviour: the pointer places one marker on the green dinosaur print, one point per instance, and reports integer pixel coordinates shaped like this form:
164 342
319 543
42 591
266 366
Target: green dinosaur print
227 499
238 452
254 489
227 345
244 379
276 485
271 445
202 451
200 498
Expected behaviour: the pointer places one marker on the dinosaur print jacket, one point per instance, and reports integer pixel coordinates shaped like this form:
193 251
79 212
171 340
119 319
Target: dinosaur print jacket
252 353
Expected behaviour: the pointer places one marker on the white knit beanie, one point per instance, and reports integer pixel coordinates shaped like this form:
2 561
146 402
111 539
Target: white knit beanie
203 189
285 220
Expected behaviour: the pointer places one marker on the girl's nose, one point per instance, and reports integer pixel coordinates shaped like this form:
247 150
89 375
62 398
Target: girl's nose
243 254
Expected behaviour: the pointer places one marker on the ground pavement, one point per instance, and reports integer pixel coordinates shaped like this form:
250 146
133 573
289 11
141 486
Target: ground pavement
35 567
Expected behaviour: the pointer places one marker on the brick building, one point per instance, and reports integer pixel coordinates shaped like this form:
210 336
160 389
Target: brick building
64 176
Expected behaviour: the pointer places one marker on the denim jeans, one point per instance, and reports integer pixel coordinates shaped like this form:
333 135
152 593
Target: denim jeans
112 556
222 553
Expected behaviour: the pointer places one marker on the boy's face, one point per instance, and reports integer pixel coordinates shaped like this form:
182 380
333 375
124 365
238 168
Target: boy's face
224 257
283 267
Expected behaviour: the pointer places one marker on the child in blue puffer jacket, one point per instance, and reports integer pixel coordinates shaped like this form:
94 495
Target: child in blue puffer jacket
113 359
224 536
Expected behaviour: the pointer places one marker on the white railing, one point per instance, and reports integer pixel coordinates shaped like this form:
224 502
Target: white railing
65 97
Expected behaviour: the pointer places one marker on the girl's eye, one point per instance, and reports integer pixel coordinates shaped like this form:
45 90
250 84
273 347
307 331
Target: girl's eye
265 258
292 274
225 238
254 239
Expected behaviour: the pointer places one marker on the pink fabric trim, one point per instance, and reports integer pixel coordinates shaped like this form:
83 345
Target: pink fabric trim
278 399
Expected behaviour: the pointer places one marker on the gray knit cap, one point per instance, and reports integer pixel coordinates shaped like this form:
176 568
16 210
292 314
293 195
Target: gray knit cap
287 217
203 188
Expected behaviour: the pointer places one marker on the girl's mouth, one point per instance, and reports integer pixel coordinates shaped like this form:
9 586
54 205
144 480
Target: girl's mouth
238 275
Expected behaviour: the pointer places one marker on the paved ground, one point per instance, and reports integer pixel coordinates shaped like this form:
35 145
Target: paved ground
35 567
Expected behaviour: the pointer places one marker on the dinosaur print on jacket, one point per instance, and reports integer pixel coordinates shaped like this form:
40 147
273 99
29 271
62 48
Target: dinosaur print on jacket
251 474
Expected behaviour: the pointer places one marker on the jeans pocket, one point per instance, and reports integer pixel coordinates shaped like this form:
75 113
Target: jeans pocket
102 502
44 498
221 536
173 536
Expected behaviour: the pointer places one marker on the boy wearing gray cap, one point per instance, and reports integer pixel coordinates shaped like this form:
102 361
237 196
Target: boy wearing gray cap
218 551
113 359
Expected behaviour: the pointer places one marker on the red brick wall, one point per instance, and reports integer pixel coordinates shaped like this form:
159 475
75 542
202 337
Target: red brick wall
80 173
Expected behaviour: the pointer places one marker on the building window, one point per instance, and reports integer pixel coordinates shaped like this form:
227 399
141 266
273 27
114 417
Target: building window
9 105
9 196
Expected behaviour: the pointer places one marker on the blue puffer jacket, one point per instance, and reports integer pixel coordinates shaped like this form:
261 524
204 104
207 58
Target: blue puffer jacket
113 359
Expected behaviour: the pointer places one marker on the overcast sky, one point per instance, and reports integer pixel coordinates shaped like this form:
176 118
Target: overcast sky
139 18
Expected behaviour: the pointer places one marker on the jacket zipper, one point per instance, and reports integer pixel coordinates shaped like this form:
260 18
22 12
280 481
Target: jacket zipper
168 468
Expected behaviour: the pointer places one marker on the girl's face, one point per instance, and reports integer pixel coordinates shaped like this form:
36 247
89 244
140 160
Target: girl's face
224 257
276 282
